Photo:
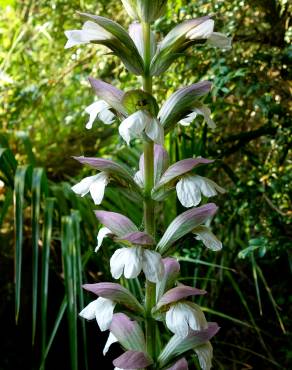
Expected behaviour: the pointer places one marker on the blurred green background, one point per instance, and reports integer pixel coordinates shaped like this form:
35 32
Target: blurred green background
51 234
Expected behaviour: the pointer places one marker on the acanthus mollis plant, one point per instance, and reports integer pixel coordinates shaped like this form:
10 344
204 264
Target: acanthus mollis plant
167 303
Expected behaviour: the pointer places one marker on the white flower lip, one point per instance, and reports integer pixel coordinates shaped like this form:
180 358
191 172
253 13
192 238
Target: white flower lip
133 127
205 355
132 260
111 340
204 234
190 188
185 316
101 110
102 310
94 184
102 233
90 32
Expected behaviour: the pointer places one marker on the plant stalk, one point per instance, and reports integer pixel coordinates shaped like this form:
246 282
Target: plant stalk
149 219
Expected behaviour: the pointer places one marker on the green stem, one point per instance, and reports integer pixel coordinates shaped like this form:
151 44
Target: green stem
149 220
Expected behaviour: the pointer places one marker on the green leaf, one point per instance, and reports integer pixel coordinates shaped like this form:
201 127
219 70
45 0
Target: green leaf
22 181
79 272
58 320
69 266
38 182
8 165
47 236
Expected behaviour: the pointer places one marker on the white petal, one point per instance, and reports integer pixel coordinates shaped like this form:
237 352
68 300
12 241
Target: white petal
206 113
195 316
100 109
188 191
103 232
117 262
104 310
82 188
127 261
111 339
106 116
133 265
133 126
188 119
155 131
176 320
220 40
90 32
88 312
97 188
202 31
152 266
208 187
205 355
139 178
136 33
181 317
208 238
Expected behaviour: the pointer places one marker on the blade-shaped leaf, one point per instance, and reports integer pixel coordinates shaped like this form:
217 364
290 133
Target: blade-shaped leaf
69 264
8 165
47 236
22 181
39 182
185 223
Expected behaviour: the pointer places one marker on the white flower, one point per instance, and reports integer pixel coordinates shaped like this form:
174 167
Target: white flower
94 184
207 237
202 111
90 32
101 110
205 355
102 310
102 233
191 187
183 316
138 122
131 261
111 339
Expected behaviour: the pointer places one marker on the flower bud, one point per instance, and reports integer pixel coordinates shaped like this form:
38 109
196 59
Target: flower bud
145 10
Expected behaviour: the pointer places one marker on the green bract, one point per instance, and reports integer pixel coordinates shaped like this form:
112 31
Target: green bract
139 100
